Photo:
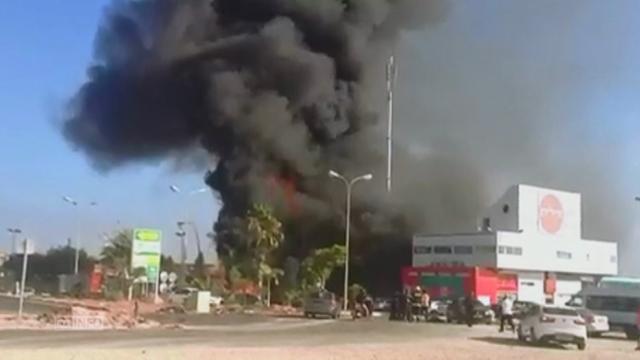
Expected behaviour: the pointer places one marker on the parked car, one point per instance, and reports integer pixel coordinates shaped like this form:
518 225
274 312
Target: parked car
216 300
596 324
546 324
618 305
321 302
179 296
438 310
382 304
521 308
456 312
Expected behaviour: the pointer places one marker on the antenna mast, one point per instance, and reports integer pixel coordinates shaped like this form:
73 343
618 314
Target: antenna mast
392 74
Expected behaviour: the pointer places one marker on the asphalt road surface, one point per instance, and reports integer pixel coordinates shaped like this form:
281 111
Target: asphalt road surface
240 331
9 304
246 337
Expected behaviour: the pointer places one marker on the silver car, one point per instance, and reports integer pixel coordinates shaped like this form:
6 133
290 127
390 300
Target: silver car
321 303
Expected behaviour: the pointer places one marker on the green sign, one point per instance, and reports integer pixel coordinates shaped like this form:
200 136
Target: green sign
145 252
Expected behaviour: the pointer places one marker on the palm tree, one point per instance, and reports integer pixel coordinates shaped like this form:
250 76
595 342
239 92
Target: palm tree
318 267
265 235
116 255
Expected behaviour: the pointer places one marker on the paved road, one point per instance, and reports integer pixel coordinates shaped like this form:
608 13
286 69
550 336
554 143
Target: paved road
9 304
280 332
284 339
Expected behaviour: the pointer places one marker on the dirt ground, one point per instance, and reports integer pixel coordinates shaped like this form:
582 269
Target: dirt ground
435 349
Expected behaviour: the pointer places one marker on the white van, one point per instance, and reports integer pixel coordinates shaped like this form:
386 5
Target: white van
619 304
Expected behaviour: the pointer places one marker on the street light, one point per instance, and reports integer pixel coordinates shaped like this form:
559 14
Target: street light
14 234
74 203
349 184
182 234
175 189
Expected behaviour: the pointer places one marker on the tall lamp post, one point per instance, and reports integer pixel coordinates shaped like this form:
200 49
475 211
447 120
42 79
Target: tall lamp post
349 184
73 202
175 189
14 235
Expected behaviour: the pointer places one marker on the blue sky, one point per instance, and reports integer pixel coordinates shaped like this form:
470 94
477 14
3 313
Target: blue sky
482 59
46 46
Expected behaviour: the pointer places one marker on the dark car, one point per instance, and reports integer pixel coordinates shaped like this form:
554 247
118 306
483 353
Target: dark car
457 312
382 304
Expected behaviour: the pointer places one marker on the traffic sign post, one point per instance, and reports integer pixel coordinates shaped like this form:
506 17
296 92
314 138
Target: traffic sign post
146 252
26 249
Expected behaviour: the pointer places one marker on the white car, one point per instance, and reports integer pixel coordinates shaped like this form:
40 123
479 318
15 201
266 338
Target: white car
179 296
596 324
438 311
216 300
544 324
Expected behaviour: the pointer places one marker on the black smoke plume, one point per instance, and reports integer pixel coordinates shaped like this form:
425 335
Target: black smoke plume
275 92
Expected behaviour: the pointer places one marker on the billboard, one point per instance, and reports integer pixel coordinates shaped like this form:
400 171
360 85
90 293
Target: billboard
145 252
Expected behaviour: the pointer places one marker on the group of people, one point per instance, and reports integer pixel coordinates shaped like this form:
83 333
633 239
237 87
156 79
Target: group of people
414 303
410 304
361 304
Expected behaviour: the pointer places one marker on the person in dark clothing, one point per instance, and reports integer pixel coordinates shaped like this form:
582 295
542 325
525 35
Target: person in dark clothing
416 303
469 304
406 304
393 311
368 304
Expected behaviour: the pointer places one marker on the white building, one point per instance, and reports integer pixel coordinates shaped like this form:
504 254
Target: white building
532 236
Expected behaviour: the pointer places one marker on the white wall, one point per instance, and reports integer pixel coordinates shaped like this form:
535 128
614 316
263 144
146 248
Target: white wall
501 220
531 287
477 258
531 211
539 253
565 288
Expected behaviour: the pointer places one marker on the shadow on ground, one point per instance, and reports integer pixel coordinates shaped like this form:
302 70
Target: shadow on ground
612 336
516 342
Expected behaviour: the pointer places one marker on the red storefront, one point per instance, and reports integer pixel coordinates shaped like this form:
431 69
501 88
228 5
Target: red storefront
452 281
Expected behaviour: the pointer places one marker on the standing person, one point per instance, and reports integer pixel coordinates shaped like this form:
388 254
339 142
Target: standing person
426 300
506 313
395 302
469 305
638 328
135 310
416 303
407 304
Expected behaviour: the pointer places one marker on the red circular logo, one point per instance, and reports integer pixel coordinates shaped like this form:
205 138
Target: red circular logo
551 214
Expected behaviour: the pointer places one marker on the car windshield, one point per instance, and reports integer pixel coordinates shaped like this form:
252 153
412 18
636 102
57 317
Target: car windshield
559 311
324 295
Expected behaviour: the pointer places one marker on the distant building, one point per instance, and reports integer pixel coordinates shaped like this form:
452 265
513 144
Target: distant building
4 257
529 245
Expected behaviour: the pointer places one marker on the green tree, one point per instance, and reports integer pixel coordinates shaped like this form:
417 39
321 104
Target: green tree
265 235
318 267
167 264
116 255
199 267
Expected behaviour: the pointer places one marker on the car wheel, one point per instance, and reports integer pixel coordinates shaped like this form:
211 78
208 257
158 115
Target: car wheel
521 336
582 344
595 334
533 336
631 332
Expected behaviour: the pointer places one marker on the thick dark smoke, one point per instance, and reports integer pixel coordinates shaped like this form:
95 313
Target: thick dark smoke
275 91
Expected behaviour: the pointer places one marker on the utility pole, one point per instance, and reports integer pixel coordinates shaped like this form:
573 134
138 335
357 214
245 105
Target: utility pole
23 280
348 185
183 253
392 74
14 235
